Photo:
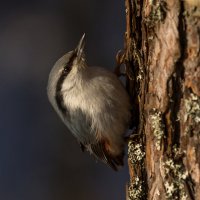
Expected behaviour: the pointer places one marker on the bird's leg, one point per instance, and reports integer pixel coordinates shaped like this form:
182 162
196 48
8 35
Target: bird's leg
120 57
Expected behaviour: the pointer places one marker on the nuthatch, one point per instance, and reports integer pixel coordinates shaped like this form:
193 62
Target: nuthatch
92 103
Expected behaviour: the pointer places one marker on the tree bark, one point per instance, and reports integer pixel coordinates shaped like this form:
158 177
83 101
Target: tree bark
162 60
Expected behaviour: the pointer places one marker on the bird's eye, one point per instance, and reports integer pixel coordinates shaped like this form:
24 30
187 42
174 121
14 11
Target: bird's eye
68 66
67 69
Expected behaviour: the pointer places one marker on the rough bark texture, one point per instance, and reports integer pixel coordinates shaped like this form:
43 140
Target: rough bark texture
162 59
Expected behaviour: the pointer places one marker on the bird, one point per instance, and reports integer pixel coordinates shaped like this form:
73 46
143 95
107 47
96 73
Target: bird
93 104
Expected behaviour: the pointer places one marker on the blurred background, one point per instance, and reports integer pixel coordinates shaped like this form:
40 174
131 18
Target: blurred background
39 159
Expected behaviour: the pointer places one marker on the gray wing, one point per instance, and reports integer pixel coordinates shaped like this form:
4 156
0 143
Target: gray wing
101 153
80 126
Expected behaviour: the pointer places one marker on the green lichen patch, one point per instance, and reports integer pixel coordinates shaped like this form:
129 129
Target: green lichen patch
158 127
157 14
192 106
175 176
135 152
135 191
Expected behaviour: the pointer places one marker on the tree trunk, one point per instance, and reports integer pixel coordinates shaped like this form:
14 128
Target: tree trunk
162 60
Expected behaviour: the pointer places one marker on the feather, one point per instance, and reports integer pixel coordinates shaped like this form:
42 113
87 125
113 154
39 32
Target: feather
88 140
100 152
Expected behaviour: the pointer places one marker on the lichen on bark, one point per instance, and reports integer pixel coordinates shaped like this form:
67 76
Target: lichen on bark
162 52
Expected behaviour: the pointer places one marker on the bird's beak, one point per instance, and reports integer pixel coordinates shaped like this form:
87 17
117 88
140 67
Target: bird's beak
80 47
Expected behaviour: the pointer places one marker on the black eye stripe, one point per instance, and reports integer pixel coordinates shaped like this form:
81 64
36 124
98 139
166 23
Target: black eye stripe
68 66
59 97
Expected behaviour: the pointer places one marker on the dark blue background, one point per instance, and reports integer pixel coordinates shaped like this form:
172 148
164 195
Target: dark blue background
39 159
